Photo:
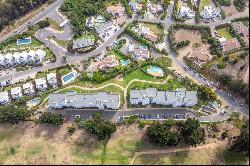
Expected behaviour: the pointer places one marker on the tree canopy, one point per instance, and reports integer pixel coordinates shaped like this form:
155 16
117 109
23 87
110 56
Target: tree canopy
193 134
12 114
100 127
13 9
161 133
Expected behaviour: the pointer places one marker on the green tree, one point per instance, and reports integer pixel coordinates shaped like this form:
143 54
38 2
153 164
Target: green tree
12 114
241 144
161 133
47 117
102 128
192 133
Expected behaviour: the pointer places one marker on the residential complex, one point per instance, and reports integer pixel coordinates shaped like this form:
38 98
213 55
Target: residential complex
230 44
138 52
179 97
23 58
186 12
4 98
100 100
210 13
104 63
83 43
117 10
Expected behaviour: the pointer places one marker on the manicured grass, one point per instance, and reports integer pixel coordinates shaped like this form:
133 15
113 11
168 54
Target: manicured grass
137 74
164 62
224 33
199 157
86 36
34 43
153 27
204 3
118 56
63 71
170 85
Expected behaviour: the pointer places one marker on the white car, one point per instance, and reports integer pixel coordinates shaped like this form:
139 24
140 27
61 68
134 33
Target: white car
157 116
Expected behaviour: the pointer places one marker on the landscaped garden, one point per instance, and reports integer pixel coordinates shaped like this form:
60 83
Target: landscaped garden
224 33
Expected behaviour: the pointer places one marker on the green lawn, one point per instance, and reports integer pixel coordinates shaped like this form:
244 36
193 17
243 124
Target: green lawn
153 27
63 71
165 62
34 43
215 156
118 56
63 43
137 74
224 33
204 3
86 36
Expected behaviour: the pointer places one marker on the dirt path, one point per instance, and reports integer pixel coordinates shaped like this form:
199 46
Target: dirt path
246 76
174 150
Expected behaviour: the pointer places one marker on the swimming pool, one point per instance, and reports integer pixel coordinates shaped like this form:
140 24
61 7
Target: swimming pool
124 62
23 41
34 102
155 71
68 77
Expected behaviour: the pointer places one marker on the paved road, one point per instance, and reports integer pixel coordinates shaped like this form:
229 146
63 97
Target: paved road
38 17
150 114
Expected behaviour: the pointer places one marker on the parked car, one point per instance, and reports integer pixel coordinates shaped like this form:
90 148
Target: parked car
157 116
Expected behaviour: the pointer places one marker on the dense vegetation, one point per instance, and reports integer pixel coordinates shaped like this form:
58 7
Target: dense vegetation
170 133
13 9
241 143
193 134
161 133
47 117
240 4
224 2
236 86
78 11
12 114
100 127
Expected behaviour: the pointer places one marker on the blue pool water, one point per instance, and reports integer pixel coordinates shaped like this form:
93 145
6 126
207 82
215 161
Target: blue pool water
155 69
68 77
36 100
124 62
23 41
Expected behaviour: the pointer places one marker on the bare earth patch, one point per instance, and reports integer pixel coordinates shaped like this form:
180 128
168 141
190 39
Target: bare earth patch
230 10
193 36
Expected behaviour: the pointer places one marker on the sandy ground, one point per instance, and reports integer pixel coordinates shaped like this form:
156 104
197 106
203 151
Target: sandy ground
230 10
192 36
234 70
